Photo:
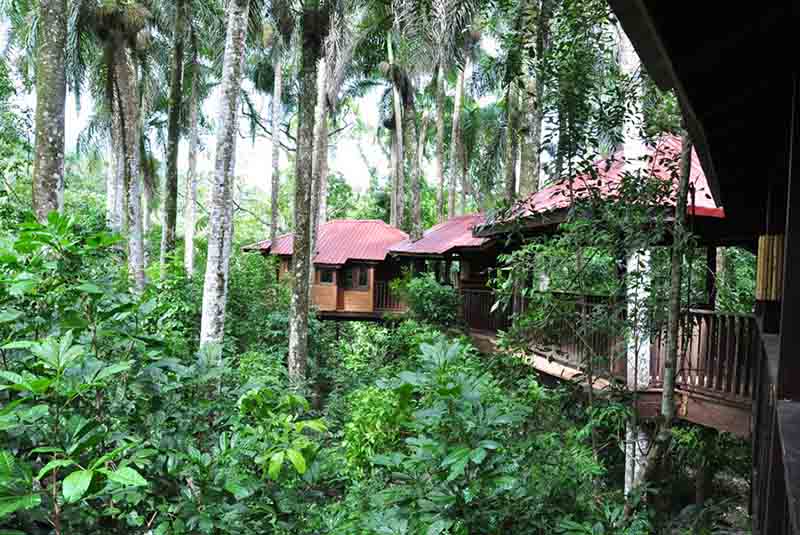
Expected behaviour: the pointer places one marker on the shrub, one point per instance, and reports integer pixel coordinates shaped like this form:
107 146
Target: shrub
430 301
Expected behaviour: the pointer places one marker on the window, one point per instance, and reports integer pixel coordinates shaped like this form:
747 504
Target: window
324 276
355 278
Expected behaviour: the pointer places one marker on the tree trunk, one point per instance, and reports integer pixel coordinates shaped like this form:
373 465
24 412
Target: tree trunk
399 190
173 137
531 142
416 190
128 105
319 163
410 148
277 115
454 168
663 438
441 211
512 141
532 109
313 24
215 286
394 158
51 91
118 219
319 159
190 210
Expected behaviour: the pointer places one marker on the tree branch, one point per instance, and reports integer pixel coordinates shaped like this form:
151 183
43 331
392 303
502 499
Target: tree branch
257 120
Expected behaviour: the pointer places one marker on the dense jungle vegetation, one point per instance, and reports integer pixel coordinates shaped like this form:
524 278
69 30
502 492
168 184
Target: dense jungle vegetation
139 397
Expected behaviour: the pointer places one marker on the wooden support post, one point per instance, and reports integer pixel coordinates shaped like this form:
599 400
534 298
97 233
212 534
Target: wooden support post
711 276
448 266
789 366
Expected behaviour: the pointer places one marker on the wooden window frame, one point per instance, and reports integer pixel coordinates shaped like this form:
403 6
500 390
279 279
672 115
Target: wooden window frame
355 277
321 272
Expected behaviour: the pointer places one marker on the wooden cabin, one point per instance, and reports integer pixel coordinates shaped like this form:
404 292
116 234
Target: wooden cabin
739 86
452 241
352 268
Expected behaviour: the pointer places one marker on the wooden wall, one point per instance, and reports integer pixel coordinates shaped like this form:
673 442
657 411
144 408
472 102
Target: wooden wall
361 300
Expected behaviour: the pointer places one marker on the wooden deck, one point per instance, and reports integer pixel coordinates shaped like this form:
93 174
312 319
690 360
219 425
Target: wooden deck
716 371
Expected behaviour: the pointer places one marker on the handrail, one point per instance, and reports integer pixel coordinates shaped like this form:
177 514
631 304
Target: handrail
386 299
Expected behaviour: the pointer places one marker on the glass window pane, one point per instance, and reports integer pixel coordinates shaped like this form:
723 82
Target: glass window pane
363 277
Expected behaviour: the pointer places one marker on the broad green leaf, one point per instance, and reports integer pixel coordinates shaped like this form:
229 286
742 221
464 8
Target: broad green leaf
114 369
455 456
275 464
12 378
89 288
439 526
20 344
489 444
314 425
11 504
52 465
127 477
477 455
9 315
297 460
76 484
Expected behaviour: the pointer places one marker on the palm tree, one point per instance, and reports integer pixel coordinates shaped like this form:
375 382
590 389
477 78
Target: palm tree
221 219
314 24
173 135
190 206
51 89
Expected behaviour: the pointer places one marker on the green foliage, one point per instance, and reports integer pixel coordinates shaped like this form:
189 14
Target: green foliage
428 301
377 417
458 454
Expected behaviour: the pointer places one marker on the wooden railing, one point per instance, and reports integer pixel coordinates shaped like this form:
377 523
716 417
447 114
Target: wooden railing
580 340
717 354
476 308
385 299
774 445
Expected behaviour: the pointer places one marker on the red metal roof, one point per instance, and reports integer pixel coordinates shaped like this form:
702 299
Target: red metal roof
454 233
342 240
608 179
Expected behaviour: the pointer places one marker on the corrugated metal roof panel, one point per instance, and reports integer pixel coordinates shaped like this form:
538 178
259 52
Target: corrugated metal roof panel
454 233
664 156
342 240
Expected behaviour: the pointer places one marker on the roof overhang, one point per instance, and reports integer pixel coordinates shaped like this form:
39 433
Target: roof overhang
730 70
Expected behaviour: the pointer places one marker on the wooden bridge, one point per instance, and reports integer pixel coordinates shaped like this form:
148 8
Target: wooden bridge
717 364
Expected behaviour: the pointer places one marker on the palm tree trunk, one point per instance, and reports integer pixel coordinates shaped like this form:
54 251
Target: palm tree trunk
118 221
173 137
51 91
394 170
320 150
455 168
440 206
277 115
319 162
128 105
215 286
399 190
416 190
533 111
411 164
190 210
313 30
531 142
512 141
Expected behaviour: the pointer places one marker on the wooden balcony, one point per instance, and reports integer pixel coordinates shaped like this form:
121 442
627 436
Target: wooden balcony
385 300
715 378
